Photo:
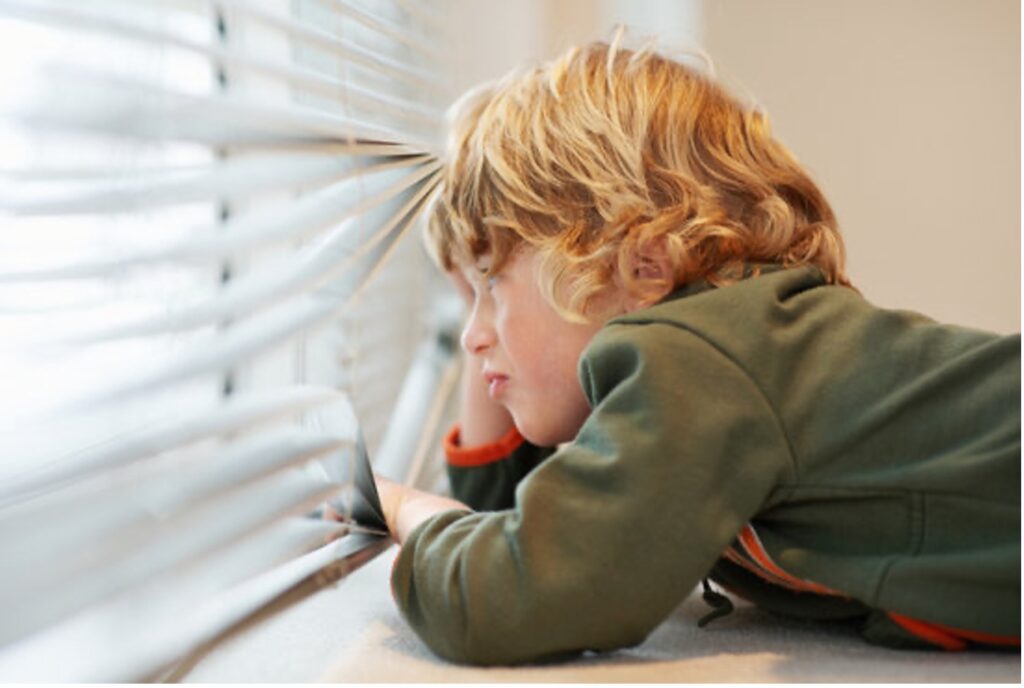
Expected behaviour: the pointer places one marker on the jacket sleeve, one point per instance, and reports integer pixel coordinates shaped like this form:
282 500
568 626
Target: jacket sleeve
485 478
610 533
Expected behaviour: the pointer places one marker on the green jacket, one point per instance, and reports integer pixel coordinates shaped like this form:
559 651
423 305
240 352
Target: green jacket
808 450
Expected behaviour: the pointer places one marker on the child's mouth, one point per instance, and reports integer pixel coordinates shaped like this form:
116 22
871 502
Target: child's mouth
496 384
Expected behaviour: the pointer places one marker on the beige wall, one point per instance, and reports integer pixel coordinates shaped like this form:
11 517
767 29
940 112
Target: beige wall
907 112
490 37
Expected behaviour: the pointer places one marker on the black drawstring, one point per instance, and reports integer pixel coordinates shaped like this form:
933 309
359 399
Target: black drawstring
719 603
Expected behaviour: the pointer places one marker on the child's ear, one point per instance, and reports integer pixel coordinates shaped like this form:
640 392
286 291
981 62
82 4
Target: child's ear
652 275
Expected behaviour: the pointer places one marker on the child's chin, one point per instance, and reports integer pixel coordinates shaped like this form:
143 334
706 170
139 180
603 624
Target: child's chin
540 433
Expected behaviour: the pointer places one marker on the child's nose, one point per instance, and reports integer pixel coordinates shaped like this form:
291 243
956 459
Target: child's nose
478 336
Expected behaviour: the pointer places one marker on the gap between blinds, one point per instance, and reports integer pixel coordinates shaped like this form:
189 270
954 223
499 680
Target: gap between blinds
207 272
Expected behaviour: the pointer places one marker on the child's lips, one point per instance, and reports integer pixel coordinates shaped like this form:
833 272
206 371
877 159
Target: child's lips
496 384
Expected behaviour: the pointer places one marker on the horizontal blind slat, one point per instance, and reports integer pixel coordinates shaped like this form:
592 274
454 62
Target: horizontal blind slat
314 36
37 598
384 27
238 412
219 468
262 157
140 622
244 340
271 284
61 14
228 179
82 100
219 612
298 219
423 13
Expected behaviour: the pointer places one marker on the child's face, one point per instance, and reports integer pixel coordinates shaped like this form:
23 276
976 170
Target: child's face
529 352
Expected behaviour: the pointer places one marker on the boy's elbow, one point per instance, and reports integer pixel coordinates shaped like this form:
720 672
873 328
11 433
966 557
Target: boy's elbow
487 650
499 639
483 653
461 639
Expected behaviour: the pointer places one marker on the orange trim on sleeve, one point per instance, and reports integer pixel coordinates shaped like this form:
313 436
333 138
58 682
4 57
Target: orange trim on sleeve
468 457
950 638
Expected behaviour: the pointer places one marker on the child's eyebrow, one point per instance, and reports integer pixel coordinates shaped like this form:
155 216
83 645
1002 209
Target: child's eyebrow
475 273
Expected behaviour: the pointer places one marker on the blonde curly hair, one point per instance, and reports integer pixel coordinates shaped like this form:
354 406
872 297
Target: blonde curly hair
603 152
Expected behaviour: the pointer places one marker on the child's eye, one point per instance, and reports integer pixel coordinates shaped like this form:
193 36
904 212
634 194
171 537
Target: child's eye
489 280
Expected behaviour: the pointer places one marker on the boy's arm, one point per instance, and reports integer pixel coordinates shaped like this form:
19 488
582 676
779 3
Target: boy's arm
612 532
405 508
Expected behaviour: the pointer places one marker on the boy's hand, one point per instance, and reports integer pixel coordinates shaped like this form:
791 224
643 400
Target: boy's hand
406 507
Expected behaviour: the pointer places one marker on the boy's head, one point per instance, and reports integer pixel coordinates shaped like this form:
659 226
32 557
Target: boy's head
606 160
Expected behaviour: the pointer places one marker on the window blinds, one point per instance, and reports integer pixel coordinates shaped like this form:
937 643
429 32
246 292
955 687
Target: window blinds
206 272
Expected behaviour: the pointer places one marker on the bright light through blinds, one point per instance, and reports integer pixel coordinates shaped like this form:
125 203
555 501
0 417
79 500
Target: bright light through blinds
195 196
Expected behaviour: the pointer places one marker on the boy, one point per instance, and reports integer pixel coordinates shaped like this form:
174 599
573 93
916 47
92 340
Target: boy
658 290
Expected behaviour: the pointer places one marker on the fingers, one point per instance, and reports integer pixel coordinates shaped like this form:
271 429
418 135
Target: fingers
392 495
